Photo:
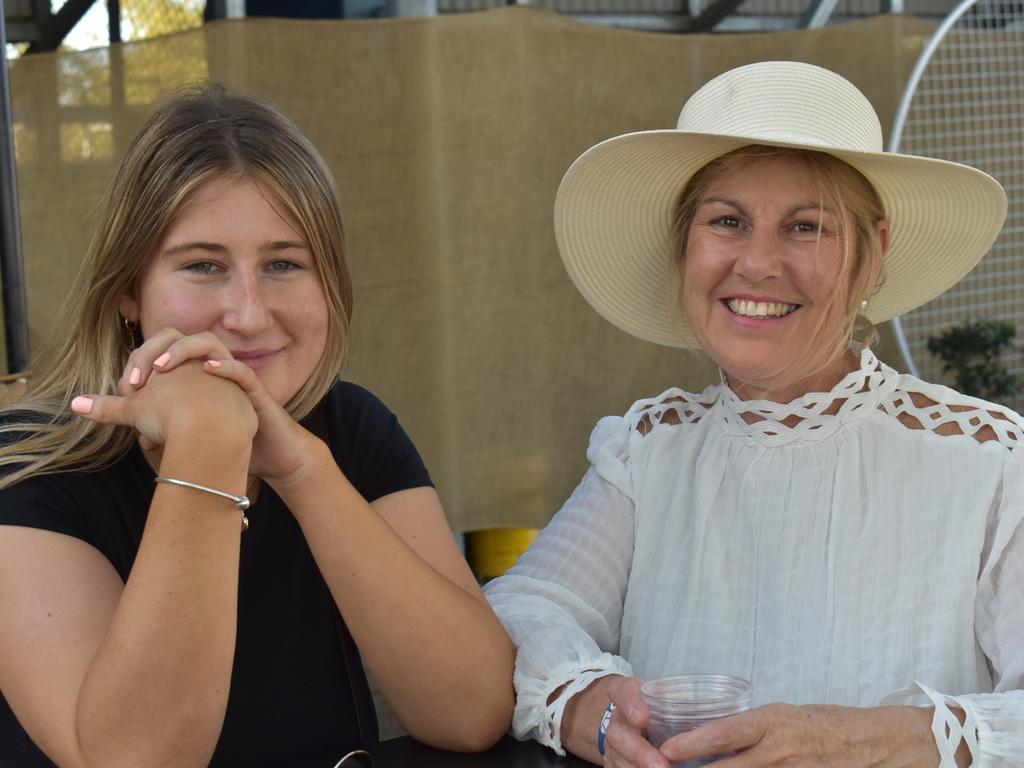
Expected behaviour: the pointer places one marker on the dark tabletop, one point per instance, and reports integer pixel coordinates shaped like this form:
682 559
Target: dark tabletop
507 753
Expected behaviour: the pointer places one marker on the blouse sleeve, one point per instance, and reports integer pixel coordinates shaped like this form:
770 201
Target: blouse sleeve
994 722
562 601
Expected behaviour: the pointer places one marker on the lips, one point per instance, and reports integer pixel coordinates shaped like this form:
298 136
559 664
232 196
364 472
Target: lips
255 358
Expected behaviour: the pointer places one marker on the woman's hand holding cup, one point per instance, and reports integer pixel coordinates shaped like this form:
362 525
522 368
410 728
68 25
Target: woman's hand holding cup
626 745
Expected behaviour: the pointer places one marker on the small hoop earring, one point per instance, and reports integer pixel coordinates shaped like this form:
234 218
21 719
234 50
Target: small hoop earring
131 329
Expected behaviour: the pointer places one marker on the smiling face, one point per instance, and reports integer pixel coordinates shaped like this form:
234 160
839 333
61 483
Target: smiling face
765 282
235 262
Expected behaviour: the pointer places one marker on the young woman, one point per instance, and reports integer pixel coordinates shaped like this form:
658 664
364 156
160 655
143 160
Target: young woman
847 538
197 519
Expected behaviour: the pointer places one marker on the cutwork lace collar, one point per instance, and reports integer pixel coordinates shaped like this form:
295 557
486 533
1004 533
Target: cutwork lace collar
816 415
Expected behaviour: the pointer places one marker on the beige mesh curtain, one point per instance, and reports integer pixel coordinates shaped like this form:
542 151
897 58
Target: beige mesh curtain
448 137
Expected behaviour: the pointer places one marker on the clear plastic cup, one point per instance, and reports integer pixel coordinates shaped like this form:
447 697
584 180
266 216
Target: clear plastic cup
683 702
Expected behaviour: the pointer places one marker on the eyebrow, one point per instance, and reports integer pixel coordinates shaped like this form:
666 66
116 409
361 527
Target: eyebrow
202 245
791 211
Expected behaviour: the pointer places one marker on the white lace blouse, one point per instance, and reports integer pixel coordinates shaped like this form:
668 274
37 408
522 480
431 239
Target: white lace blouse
840 549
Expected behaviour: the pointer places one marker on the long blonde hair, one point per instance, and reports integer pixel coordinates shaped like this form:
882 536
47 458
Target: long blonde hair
845 190
201 133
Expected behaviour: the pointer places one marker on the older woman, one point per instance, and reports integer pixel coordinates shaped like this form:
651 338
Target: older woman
201 528
847 538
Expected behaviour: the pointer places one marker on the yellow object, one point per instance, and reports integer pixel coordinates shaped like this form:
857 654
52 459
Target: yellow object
493 551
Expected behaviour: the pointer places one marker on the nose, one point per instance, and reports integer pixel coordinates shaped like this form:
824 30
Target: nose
246 310
759 257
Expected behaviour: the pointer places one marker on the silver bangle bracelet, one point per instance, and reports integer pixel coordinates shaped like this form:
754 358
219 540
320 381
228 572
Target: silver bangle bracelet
242 502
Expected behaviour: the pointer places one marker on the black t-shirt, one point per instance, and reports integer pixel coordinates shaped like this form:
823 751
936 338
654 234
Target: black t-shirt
291 701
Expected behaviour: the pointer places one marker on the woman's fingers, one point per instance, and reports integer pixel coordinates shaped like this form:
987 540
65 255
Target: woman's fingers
116 409
164 351
625 738
185 396
626 745
625 692
148 444
105 409
198 346
245 377
614 759
706 741
281 447
140 362
734 734
721 737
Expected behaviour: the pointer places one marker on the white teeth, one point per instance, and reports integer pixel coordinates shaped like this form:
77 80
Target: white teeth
748 308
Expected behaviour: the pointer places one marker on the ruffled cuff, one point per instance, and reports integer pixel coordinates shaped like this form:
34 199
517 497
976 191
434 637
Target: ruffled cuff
535 718
993 726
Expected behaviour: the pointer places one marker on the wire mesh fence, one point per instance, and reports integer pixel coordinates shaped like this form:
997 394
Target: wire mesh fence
969 107
844 8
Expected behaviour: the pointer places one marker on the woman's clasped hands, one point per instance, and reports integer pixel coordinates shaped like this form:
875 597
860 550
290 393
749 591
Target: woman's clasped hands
774 735
173 376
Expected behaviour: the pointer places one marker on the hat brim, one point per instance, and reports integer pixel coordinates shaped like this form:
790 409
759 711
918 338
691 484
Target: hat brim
614 209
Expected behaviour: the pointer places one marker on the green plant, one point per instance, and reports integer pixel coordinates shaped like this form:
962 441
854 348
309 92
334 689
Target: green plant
971 351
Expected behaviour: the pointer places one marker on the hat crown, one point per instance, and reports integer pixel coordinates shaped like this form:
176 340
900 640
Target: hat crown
785 101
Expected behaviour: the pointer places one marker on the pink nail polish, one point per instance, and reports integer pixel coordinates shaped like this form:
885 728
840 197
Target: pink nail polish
213 363
161 361
82 405
135 377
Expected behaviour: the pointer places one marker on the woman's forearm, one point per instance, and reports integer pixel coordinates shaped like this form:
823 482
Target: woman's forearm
156 691
440 656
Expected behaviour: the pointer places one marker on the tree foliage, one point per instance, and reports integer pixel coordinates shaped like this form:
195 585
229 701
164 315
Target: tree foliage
972 351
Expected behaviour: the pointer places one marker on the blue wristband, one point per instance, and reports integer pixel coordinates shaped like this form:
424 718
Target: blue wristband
604 728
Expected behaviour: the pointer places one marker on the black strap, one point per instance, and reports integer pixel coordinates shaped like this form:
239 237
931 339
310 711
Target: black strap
366 713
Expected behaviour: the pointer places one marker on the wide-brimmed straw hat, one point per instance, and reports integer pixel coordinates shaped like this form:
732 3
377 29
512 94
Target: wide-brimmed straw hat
615 205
